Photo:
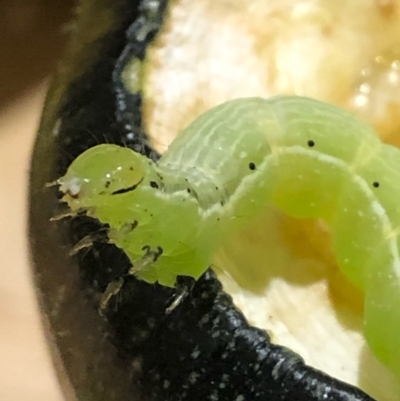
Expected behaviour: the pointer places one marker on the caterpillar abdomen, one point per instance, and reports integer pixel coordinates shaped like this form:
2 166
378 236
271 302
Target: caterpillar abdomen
308 158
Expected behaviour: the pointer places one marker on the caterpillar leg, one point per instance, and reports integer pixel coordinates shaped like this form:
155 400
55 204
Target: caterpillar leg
63 215
88 240
146 260
115 286
182 291
112 289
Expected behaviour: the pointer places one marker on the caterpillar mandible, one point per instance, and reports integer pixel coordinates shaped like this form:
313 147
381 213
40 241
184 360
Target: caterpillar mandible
308 158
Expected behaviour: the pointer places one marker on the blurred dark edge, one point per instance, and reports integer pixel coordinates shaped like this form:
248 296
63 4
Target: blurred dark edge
204 350
32 38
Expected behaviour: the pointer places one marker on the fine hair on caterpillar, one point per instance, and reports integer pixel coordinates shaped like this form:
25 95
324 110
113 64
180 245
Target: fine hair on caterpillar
307 158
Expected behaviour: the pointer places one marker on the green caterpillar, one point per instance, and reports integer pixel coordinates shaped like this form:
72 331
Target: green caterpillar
308 158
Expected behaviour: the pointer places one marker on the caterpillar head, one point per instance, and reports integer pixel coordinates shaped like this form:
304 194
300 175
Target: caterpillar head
101 172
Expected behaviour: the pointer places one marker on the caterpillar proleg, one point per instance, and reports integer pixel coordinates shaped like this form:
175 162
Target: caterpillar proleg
308 158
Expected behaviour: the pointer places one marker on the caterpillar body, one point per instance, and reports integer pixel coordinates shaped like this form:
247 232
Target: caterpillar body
308 158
